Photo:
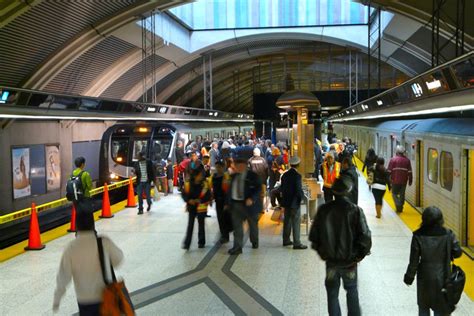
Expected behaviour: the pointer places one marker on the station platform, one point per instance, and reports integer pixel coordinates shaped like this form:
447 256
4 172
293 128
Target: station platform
166 280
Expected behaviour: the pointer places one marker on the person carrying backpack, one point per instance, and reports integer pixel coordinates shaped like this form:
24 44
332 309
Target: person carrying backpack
78 187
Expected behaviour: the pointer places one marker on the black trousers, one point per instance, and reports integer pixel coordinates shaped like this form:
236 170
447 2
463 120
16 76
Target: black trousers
275 195
328 195
189 231
223 218
89 309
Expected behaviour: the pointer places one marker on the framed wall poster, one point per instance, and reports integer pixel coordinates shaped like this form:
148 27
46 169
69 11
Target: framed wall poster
21 172
53 168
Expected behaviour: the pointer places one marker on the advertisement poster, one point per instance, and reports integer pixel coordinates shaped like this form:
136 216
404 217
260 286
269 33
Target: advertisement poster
53 168
21 172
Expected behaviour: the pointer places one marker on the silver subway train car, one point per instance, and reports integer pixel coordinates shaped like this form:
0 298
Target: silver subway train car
441 151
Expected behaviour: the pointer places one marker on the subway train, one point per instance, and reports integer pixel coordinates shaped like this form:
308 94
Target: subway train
441 151
121 143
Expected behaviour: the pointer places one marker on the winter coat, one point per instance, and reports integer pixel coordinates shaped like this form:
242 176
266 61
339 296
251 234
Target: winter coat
352 174
399 168
430 262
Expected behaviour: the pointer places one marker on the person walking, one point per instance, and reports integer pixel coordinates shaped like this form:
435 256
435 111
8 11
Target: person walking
381 179
292 195
399 168
258 165
145 176
80 262
161 181
244 203
214 157
331 170
348 169
370 159
220 188
276 168
432 249
197 196
169 174
318 158
83 205
342 239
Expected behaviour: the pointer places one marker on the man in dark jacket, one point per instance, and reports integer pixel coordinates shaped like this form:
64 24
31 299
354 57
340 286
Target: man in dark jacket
244 203
348 169
318 158
342 238
292 194
145 176
258 165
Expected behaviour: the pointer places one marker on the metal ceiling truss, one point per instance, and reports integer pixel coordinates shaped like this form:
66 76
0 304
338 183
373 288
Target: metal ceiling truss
374 41
207 80
440 18
148 26
354 67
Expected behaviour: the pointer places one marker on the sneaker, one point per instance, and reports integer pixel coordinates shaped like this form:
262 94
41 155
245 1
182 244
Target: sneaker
201 246
300 247
224 240
185 247
288 243
254 245
140 212
234 251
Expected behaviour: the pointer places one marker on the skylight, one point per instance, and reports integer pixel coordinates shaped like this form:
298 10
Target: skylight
238 14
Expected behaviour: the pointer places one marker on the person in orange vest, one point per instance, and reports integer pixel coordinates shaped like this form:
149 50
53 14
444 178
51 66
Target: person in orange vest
331 169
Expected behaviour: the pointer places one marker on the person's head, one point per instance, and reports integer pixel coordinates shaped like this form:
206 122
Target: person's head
276 151
345 140
400 150
214 145
380 163
205 159
220 167
240 164
370 153
197 174
85 221
432 217
256 152
180 143
342 186
294 162
329 158
79 162
194 156
346 163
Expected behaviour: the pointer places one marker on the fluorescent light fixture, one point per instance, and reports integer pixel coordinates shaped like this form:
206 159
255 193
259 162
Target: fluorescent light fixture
413 113
211 114
353 110
151 109
347 112
379 102
216 113
433 85
417 90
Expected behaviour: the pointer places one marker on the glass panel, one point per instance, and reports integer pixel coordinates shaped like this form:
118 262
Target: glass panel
89 104
119 150
446 179
432 165
161 148
465 72
435 82
139 145
40 100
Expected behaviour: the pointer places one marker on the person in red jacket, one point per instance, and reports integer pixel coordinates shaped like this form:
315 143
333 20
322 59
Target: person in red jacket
399 168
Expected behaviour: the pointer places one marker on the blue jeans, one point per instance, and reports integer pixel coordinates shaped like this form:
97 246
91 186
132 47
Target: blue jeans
143 186
333 282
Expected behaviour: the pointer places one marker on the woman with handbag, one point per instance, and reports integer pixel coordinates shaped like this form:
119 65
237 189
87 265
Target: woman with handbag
380 178
80 264
197 196
432 249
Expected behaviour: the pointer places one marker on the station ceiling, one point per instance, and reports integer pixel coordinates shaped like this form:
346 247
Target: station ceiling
93 48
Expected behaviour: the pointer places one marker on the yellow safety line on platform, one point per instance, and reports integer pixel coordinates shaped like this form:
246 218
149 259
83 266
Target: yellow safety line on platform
17 249
412 218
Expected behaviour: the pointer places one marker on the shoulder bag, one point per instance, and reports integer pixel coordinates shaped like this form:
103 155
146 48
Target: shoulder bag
454 285
115 298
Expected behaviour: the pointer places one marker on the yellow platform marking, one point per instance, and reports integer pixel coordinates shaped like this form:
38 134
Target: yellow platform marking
17 249
412 218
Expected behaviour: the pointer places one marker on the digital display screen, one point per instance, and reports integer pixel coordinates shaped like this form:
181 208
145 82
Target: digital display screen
4 97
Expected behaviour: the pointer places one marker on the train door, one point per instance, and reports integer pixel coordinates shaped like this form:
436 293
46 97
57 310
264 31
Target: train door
469 193
419 173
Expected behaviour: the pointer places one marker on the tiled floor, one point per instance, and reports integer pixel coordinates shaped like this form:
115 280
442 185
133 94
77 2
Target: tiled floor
166 280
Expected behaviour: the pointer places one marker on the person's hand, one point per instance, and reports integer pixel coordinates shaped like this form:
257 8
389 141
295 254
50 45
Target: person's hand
407 280
248 202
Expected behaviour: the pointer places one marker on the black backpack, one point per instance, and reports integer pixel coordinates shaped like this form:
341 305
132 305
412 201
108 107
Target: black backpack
74 189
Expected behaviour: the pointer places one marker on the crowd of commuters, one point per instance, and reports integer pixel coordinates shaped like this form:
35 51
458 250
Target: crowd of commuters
236 173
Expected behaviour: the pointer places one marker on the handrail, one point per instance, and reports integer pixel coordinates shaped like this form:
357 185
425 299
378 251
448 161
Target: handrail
57 203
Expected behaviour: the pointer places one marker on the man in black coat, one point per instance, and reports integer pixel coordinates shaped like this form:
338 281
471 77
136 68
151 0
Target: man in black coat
145 176
342 238
292 194
348 169
243 200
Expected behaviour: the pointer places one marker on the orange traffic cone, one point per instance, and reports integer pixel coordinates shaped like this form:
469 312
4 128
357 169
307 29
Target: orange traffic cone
73 220
106 213
131 195
34 239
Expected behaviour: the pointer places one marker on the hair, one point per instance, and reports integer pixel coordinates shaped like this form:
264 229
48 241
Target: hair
371 153
85 221
79 161
400 149
432 217
380 163
256 151
347 160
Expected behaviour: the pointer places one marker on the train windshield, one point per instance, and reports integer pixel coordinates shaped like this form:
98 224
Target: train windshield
161 148
119 150
139 145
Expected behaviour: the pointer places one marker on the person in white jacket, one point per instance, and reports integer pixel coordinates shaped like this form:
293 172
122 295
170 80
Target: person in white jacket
80 261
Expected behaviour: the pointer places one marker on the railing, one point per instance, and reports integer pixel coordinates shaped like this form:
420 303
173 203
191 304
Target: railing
57 203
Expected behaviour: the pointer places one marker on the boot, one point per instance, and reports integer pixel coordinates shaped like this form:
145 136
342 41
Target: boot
378 209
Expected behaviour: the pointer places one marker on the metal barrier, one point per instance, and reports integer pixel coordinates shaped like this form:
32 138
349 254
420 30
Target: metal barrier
57 203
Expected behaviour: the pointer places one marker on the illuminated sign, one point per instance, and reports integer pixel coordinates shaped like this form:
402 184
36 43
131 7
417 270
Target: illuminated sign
4 97
417 89
433 85
163 109
151 109
379 102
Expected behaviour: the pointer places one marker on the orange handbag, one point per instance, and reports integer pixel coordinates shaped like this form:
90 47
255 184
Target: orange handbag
115 298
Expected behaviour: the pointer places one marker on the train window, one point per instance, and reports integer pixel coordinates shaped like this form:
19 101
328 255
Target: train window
161 147
446 166
432 165
139 145
464 72
119 150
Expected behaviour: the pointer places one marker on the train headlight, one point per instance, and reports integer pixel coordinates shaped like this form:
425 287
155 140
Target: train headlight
113 176
119 159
